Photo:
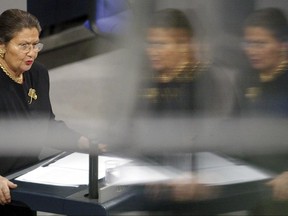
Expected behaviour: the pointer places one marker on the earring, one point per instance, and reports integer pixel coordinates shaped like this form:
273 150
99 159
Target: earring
1 53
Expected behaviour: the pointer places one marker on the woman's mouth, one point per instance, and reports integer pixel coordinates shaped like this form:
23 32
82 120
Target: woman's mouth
29 62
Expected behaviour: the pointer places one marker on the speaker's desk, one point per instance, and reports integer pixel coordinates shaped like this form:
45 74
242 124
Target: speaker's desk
74 200
58 199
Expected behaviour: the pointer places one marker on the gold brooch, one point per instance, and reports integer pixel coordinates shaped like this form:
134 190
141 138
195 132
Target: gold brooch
252 93
32 94
151 94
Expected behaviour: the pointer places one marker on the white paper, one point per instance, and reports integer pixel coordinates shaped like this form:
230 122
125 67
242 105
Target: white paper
131 175
231 175
56 176
211 169
206 160
72 170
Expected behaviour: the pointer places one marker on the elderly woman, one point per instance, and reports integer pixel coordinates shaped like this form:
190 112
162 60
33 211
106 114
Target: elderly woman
24 97
180 84
265 44
180 80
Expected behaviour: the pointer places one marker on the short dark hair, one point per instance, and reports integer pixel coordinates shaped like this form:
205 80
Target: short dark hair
272 19
171 18
13 21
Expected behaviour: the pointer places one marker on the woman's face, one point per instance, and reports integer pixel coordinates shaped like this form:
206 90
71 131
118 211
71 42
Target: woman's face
16 57
167 47
264 51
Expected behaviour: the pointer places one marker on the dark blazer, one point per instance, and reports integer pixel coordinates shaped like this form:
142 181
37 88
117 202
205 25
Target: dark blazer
267 98
191 92
29 122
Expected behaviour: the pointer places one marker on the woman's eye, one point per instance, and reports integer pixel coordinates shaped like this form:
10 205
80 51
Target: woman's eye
24 45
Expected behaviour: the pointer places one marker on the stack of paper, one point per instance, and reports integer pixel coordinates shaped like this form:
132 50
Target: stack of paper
72 170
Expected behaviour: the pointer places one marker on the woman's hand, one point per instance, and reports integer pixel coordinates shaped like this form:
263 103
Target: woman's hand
181 190
84 144
5 186
184 190
280 187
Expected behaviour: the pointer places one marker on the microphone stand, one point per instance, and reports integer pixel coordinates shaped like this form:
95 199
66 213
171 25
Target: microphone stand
93 171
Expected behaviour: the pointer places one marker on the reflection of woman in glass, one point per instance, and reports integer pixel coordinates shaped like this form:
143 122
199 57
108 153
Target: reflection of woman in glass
266 35
180 84
178 75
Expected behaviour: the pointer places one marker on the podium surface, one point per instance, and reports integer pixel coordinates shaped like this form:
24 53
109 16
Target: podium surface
76 201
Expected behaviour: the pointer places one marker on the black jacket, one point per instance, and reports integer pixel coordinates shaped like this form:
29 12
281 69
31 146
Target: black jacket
27 124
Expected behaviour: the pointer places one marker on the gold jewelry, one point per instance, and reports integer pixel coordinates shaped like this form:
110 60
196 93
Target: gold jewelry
252 93
16 79
32 94
2 53
279 70
151 94
193 70
178 75
186 72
